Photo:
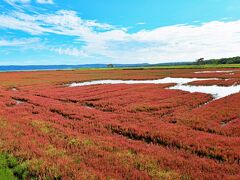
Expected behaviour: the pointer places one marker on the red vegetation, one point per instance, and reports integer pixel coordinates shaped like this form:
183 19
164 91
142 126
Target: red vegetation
118 131
222 82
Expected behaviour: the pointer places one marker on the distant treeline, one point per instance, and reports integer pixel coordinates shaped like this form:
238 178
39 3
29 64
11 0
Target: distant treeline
232 60
201 61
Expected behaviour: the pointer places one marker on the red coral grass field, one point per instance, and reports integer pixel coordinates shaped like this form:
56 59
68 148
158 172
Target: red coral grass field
122 131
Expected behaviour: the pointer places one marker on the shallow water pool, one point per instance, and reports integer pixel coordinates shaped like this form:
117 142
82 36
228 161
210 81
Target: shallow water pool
181 84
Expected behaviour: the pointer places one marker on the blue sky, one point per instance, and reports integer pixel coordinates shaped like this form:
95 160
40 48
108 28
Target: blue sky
108 31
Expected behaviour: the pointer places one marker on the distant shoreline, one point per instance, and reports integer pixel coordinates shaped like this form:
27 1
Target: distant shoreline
115 67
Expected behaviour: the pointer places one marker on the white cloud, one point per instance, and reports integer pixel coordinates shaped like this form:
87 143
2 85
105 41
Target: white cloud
45 1
62 22
141 23
171 43
13 2
17 1
10 22
17 42
70 51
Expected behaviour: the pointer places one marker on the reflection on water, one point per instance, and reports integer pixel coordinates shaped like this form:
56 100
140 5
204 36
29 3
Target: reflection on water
181 84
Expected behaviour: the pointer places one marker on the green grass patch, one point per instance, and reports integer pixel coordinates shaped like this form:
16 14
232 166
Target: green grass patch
11 168
44 127
88 142
54 152
3 123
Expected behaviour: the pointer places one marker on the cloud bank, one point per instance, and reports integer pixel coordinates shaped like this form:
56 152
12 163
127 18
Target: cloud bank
18 42
181 42
12 2
45 1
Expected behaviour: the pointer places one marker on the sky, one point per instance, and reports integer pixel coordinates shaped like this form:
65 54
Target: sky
47 32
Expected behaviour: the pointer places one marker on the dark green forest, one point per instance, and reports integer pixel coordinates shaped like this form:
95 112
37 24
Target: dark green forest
231 60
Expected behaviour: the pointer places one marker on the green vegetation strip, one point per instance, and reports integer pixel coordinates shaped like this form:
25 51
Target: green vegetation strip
169 67
11 168
193 66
